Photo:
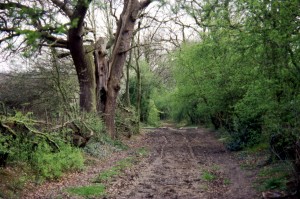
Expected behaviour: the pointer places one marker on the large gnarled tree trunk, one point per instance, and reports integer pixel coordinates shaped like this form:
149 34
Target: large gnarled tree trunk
98 81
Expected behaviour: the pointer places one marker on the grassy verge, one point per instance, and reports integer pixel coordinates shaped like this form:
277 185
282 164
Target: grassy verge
106 176
114 171
272 176
121 166
88 191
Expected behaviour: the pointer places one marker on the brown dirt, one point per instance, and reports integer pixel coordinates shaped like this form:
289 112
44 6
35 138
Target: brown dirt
175 167
177 164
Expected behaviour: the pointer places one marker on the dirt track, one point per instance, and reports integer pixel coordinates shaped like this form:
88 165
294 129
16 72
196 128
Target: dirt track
178 162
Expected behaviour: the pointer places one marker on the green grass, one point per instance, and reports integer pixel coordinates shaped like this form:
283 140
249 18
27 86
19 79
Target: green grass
142 152
215 167
262 146
107 174
93 190
273 177
115 170
208 176
125 163
226 181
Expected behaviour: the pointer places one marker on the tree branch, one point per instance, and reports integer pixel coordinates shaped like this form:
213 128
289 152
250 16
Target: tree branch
54 45
4 6
9 37
63 7
145 3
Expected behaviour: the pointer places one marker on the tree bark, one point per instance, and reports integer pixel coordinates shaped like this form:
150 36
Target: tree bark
127 93
102 72
83 63
137 56
122 45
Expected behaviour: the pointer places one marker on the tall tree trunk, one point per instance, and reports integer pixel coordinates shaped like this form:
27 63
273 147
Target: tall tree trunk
122 46
139 90
137 55
84 64
127 94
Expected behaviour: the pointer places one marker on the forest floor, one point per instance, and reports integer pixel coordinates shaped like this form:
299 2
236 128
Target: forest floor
180 163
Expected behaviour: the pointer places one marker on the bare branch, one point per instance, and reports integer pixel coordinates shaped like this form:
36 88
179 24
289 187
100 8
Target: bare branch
4 6
63 7
54 45
113 13
8 37
63 55
145 3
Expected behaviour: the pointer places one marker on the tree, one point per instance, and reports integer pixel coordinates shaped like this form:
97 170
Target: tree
42 27
244 74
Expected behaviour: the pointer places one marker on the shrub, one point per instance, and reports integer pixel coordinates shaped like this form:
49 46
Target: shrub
127 121
50 164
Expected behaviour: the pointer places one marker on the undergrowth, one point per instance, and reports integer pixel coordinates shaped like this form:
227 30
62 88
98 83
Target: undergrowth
115 170
274 175
106 176
120 166
51 165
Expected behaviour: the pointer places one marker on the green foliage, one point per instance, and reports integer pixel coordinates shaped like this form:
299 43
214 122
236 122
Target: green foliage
88 191
273 177
274 183
120 166
103 145
116 170
226 181
118 144
4 143
153 116
142 152
49 154
127 121
148 110
207 176
108 174
74 23
243 76
93 121
51 164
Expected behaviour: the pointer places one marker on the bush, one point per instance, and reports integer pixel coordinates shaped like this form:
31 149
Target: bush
49 154
127 121
51 165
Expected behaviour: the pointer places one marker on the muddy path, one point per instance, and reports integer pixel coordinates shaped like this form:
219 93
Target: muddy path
184 163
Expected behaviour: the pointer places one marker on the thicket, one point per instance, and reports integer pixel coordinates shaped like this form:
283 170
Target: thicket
49 89
41 125
49 153
149 113
243 78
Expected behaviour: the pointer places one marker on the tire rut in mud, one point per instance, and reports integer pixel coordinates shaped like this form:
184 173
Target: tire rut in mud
173 170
